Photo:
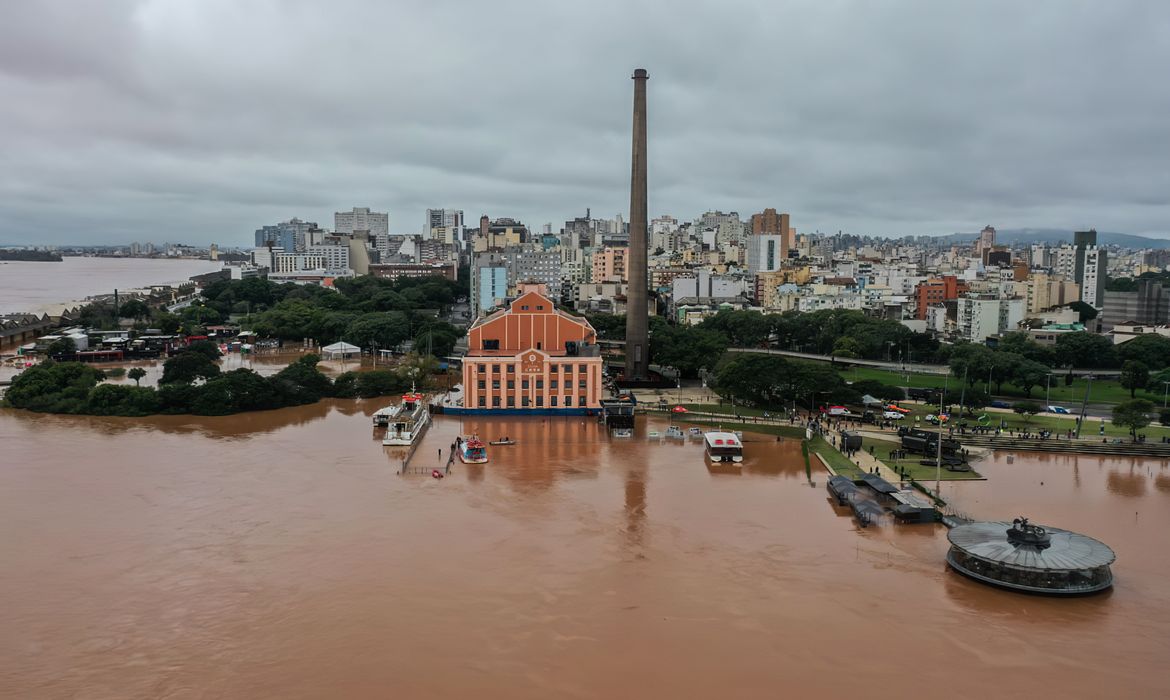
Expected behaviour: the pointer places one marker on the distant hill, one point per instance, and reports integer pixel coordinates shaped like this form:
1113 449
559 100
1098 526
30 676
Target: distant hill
1015 236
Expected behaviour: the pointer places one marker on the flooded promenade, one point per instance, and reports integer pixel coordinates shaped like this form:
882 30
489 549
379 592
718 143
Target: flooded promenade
279 555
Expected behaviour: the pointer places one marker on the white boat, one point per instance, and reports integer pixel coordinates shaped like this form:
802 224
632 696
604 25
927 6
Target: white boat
653 435
723 447
675 432
623 433
472 451
695 432
407 421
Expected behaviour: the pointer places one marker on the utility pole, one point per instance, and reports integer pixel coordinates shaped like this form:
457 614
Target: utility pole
1084 403
1047 391
1165 394
938 460
963 393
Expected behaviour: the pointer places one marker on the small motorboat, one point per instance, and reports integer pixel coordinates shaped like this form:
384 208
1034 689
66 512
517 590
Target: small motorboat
502 441
623 433
695 432
472 451
675 432
653 435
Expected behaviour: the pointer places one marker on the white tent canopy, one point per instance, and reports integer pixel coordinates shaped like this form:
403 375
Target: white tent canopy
342 349
870 401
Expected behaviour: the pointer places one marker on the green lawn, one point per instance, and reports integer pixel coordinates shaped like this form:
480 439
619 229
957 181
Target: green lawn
1056 423
1048 421
918 472
791 431
1102 390
839 462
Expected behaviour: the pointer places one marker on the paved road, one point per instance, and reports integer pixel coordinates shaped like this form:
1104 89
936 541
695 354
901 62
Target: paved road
914 367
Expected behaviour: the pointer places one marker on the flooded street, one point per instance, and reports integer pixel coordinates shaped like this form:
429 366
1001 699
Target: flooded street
279 555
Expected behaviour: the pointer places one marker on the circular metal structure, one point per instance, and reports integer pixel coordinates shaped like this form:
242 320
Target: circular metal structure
1025 557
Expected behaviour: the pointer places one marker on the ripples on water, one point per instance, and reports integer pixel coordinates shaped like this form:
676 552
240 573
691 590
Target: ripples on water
278 554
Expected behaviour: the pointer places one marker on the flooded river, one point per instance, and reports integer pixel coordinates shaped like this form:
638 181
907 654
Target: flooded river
280 555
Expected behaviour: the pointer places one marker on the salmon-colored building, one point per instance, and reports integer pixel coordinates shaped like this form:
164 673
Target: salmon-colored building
532 358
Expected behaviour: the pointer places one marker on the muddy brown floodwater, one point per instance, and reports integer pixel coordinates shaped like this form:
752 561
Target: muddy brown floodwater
279 555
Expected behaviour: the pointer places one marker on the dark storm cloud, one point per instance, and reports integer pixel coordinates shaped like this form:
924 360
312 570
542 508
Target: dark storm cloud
199 121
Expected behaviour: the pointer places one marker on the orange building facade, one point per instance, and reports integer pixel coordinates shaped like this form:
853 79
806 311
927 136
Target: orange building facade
532 358
937 291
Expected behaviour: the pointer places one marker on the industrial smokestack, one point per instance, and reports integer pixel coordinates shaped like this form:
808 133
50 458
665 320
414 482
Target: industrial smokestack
637 334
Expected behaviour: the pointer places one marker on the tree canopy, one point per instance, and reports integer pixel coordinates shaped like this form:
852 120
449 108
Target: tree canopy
1133 414
1134 375
1084 350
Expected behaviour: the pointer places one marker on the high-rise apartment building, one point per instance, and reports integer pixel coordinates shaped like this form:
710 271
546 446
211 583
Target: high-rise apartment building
985 242
360 220
537 267
982 316
937 291
765 252
1091 263
609 265
291 236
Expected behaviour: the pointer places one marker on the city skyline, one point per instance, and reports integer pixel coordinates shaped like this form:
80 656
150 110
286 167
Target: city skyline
882 121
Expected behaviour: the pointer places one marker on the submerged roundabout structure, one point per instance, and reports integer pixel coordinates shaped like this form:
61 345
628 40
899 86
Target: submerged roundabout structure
1025 557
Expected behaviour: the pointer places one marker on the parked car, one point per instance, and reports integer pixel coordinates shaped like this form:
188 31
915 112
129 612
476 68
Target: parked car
893 415
1000 404
1058 409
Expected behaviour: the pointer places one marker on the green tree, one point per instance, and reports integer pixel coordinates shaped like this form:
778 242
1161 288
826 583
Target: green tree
302 383
121 400
1027 409
200 316
1021 343
61 347
137 373
380 383
168 323
1134 375
743 329
1086 311
1084 350
1029 373
387 330
186 367
134 308
1133 414
608 326
757 380
686 348
204 347
1150 349
53 387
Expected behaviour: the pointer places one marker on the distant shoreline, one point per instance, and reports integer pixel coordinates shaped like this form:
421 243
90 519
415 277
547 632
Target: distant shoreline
29 256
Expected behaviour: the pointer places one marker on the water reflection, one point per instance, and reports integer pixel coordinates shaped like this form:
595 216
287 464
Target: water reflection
1023 608
1129 483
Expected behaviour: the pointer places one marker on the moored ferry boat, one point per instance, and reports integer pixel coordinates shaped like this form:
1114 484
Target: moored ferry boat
723 447
406 422
472 450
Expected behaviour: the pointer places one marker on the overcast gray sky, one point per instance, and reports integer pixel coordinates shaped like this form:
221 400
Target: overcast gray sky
200 120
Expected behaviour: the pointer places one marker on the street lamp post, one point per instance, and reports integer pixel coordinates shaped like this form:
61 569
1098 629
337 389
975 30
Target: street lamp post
1084 404
1165 394
1047 391
938 460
